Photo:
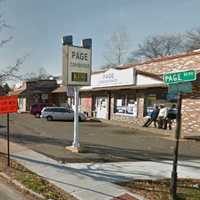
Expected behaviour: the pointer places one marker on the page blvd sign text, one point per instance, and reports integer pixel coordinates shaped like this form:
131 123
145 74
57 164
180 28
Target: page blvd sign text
179 77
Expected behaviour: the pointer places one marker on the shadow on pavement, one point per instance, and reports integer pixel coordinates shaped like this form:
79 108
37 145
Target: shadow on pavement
92 152
113 174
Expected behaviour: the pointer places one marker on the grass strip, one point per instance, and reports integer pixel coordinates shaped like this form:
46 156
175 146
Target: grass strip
33 181
187 189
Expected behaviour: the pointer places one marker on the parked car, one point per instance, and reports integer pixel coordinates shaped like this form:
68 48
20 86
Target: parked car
60 113
37 108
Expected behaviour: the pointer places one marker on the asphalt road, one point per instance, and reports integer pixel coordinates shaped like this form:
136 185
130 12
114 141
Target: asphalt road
100 141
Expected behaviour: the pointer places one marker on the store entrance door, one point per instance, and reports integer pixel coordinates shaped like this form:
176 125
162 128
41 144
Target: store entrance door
101 107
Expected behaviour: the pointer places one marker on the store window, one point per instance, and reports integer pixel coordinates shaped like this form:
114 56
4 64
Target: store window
125 104
120 105
150 100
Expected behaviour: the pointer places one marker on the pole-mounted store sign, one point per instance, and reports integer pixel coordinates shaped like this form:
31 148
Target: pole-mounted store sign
179 83
76 73
76 65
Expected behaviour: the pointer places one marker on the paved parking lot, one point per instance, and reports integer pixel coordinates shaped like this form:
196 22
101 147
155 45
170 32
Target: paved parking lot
100 141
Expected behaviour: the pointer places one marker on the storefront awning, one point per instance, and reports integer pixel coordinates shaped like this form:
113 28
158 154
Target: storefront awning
123 87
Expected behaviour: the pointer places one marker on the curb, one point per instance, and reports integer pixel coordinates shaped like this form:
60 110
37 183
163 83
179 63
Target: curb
166 135
19 185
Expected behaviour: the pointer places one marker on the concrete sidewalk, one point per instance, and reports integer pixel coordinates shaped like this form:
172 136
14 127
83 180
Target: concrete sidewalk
93 181
80 183
90 181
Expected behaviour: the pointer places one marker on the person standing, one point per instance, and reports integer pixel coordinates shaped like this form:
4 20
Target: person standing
162 116
153 117
171 115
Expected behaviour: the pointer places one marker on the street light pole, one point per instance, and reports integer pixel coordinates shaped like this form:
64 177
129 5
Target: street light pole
173 186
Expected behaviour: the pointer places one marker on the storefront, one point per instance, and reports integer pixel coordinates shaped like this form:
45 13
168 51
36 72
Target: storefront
123 94
132 101
130 91
34 92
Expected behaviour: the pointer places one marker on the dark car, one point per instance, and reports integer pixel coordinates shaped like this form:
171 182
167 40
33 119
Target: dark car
172 113
36 109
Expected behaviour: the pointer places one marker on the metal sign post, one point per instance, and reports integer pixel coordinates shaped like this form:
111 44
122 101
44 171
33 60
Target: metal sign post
173 185
179 83
76 72
8 104
8 138
76 143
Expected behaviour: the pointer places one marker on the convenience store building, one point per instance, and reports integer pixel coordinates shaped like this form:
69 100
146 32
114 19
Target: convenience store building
129 92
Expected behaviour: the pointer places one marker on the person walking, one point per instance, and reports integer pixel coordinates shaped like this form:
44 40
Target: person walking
162 116
171 115
153 117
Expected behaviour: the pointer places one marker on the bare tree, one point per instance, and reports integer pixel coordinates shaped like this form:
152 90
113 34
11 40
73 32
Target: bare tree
10 72
42 74
116 49
6 88
158 46
192 40
3 25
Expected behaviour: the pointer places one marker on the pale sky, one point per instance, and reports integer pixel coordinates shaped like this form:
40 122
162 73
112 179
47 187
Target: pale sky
38 26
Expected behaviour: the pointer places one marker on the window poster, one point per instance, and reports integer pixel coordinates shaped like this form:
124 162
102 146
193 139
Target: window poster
119 102
132 109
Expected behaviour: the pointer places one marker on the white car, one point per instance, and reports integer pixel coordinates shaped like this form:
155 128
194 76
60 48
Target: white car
60 113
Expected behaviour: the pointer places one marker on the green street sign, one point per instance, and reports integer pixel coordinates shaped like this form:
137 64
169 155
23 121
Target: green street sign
180 88
179 77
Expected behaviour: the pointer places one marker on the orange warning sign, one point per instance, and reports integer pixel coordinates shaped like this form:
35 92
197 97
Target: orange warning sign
8 104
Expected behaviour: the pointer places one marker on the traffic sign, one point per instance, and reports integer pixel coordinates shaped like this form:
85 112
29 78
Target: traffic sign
179 77
180 88
8 104
172 97
179 83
